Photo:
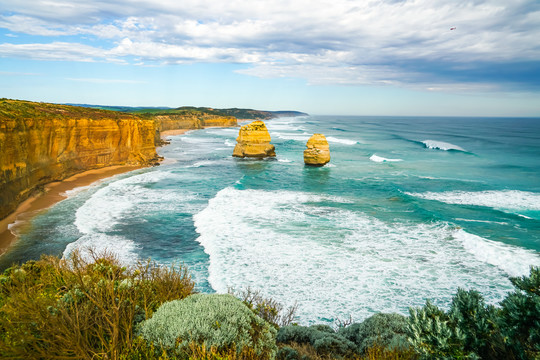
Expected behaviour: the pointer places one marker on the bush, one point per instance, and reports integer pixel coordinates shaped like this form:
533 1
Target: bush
266 308
520 316
216 321
322 338
79 308
384 330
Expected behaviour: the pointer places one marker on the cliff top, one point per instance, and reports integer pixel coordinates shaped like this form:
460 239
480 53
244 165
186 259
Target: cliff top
20 109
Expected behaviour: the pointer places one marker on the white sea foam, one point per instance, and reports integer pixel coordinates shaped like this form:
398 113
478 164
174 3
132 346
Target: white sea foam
230 143
502 200
120 200
335 262
292 136
284 160
332 139
441 145
513 260
380 159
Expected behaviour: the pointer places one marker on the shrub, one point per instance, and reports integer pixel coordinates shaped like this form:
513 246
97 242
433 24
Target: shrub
79 308
520 316
266 308
216 321
322 338
383 330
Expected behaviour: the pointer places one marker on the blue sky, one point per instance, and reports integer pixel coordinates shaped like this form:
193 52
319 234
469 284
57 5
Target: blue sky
342 57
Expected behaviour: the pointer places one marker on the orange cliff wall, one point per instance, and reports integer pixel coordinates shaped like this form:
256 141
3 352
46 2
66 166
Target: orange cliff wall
173 122
40 143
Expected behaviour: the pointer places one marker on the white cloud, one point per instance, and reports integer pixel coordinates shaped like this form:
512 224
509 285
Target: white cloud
323 41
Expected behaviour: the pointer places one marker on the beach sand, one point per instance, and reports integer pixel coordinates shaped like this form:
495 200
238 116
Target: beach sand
54 192
173 132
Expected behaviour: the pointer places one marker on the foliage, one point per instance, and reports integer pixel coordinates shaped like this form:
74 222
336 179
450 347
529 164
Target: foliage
520 316
322 338
79 308
267 308
385 330
214 321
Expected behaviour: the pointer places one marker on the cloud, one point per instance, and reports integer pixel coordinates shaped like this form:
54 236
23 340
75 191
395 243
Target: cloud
405 43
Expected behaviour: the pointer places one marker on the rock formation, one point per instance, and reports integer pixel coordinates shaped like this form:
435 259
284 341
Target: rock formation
40 143
254 141
317 152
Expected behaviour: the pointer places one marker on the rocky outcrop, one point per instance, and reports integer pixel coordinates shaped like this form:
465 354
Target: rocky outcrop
254 141
318 151
40 143
174 122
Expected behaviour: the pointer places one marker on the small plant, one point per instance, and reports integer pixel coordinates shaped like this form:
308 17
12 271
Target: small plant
267 308
219 322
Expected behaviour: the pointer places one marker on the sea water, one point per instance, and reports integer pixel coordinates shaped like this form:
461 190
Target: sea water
408 209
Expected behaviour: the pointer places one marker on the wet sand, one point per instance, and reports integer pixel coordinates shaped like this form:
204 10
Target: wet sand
54 192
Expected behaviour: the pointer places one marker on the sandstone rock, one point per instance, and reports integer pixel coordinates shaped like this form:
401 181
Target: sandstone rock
254 141
317 152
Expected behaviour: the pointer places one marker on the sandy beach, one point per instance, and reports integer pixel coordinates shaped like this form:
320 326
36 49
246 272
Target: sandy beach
173 132
54 192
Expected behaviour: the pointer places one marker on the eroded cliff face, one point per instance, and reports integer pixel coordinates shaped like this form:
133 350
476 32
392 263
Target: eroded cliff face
173 122
40 143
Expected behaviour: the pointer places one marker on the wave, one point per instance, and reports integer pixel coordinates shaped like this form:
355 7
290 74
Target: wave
332 139
298 246
230 143
292 136
114 204
441 145
379 159
513 260
497 199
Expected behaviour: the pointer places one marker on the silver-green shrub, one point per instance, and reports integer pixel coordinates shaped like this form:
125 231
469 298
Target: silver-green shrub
212 320
387 330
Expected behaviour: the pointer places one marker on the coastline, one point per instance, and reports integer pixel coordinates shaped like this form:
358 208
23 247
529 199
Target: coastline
54 193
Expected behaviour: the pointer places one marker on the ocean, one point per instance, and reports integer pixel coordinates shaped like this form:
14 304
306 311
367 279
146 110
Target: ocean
408 209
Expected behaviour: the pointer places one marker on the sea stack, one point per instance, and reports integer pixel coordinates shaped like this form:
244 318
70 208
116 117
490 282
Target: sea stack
254 141
317 152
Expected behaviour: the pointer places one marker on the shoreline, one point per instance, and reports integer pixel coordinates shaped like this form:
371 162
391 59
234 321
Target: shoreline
54 192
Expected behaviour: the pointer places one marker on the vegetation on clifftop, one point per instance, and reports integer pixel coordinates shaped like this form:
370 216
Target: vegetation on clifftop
98 309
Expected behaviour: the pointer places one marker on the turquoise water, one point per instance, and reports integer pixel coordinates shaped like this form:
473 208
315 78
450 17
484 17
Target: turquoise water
408 209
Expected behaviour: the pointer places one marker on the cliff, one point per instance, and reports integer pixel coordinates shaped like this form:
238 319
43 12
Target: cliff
254 141
317 151
174 121
40 143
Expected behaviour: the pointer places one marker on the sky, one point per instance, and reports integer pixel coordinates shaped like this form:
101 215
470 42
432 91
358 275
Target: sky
333 57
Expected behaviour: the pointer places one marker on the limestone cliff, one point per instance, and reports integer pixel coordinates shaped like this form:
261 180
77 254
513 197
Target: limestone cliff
318 151
40 143
174 121
254 141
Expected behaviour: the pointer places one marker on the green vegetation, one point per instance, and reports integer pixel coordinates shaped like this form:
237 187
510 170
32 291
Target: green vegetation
19 109
216 321
97 309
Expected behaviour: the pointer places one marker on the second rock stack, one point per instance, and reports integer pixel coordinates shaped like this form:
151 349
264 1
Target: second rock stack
317 152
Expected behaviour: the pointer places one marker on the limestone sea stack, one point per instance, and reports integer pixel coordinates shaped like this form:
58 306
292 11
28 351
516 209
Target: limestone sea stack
317 152
254 141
